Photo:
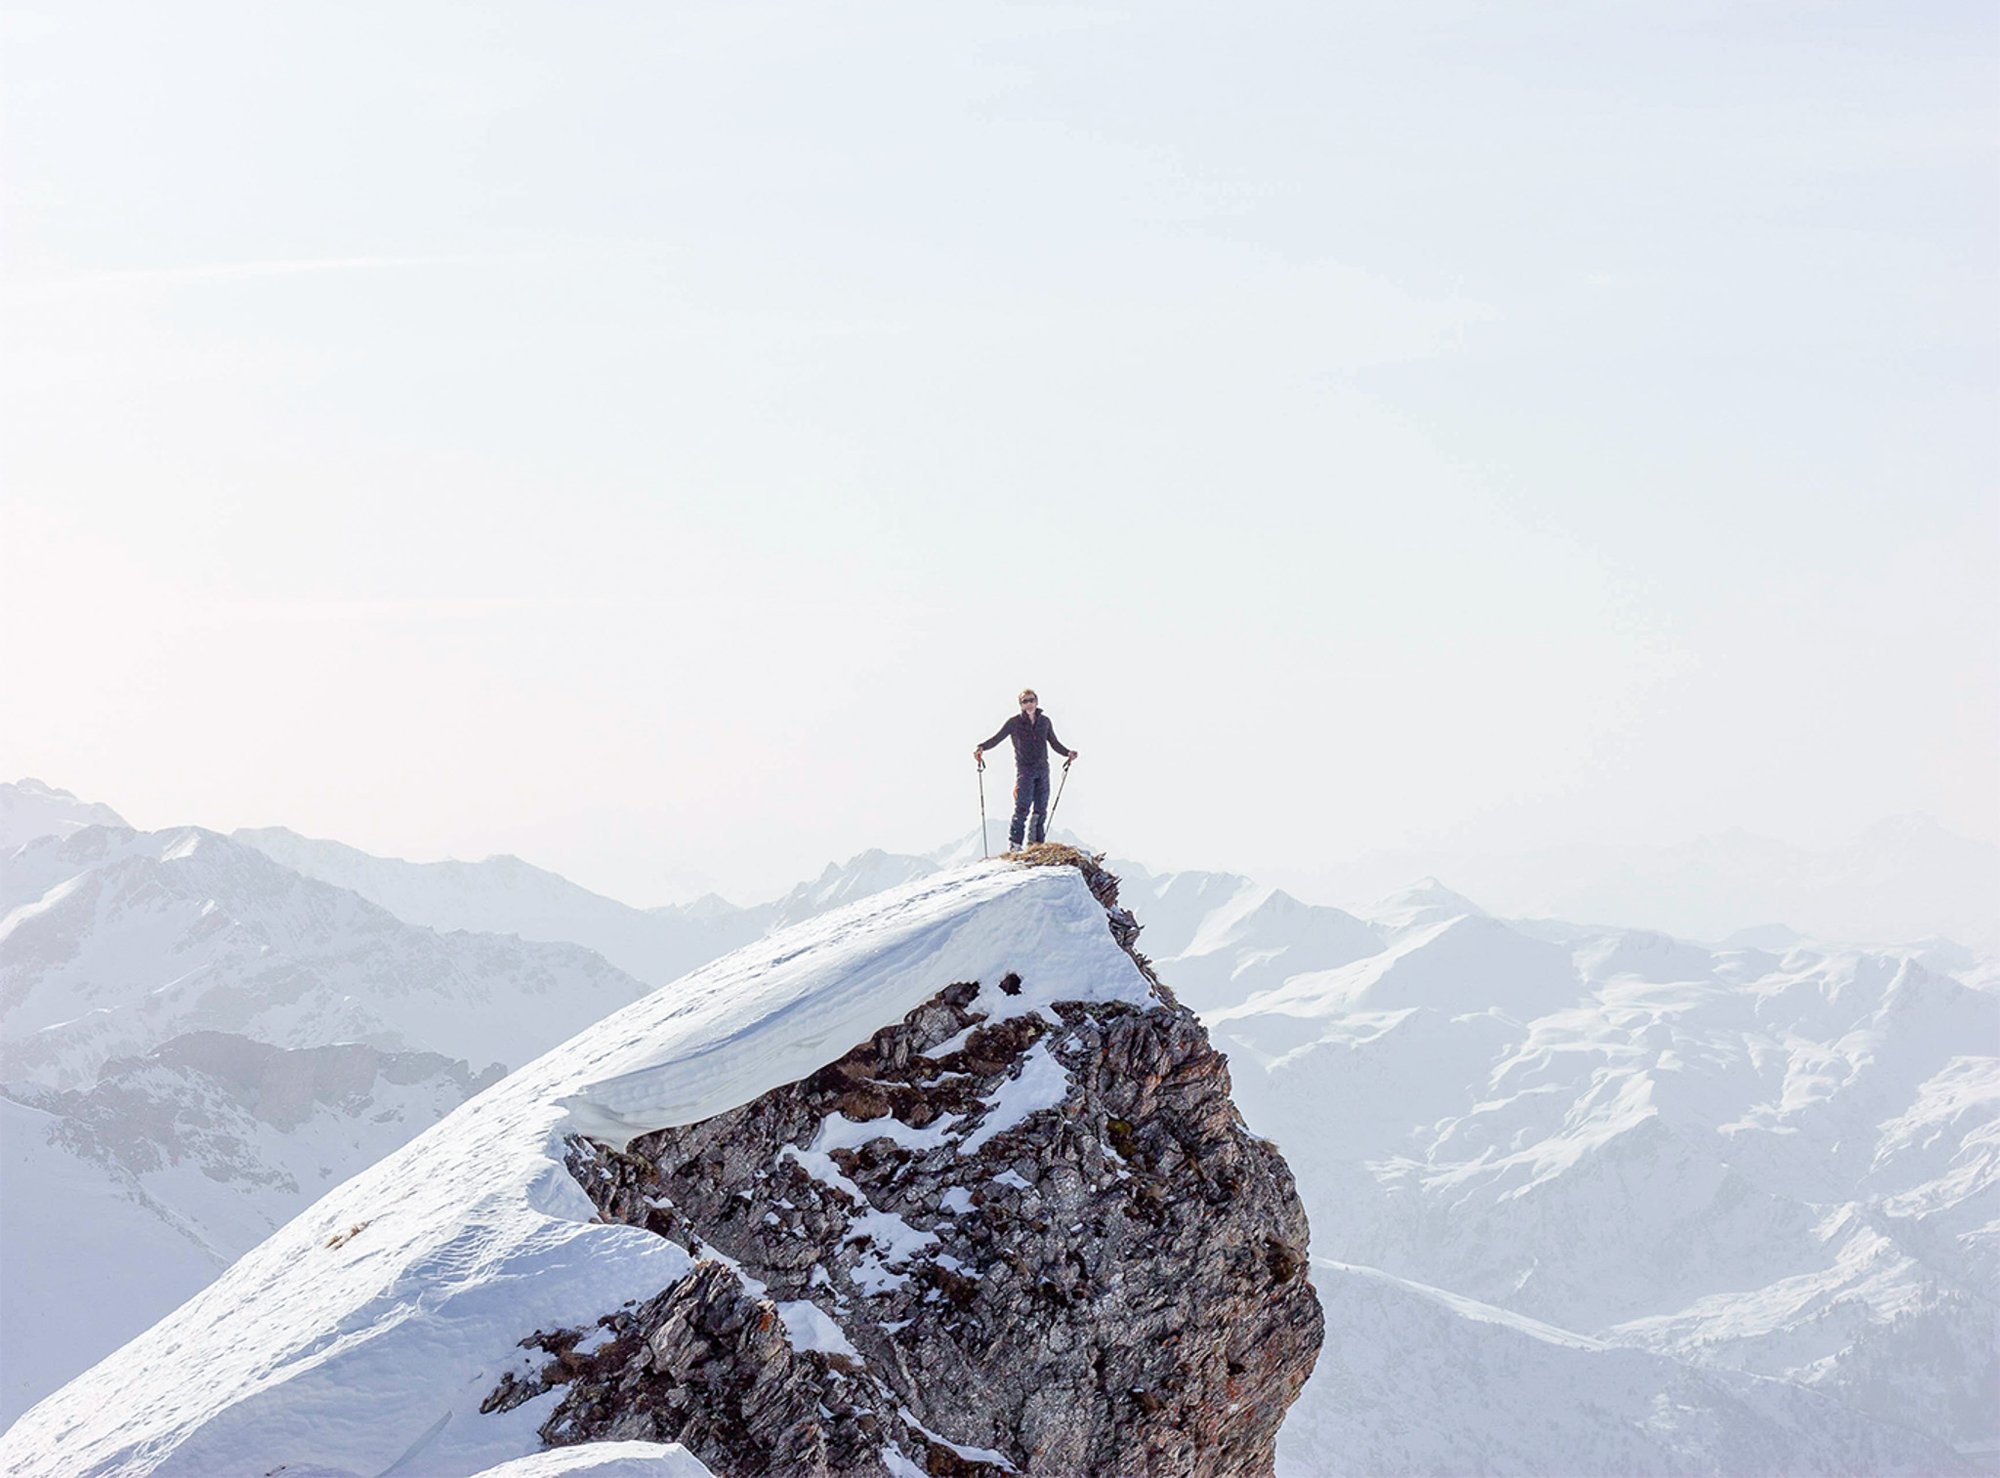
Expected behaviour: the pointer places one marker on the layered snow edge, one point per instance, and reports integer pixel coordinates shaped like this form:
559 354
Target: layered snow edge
362 1336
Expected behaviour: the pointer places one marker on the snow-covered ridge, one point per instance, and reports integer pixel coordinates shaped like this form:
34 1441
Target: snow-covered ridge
1422 1380
1532 1116
504 895
30 809
115 944
1901 878
112 941
368 1331
1787 1165
771 1013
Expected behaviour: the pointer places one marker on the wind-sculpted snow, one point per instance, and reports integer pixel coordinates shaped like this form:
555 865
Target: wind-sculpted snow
777 1013
605 1460
368 1332
1002 1240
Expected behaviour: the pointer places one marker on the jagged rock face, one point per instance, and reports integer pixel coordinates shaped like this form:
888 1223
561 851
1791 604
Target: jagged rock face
1048 1241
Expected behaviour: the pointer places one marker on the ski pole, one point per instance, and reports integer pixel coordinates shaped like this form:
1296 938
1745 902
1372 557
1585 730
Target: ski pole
984 851
1059 790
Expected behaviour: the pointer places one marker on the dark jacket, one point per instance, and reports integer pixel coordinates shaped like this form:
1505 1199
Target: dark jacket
1032 741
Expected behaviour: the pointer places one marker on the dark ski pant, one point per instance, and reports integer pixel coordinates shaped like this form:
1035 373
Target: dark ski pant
1031 793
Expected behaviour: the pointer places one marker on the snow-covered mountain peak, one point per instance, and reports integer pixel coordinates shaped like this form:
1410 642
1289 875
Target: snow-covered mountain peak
1424 902
505 895
1465 965
113 940
934 1088
1771 938
1741 1159
1627 1163
769 1013
1644 955
350 867
843 882
709 906
29 809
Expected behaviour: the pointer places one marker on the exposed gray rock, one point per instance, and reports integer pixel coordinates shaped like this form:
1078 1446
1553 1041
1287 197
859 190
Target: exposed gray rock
1048 1240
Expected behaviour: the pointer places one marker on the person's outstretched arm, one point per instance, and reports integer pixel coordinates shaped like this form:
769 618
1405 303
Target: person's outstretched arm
1005 729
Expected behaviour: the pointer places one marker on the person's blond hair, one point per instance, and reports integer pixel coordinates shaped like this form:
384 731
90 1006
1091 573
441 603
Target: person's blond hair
1026 694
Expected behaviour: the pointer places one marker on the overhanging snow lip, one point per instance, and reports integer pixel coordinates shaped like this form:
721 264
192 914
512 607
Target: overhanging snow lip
477 1228
856 970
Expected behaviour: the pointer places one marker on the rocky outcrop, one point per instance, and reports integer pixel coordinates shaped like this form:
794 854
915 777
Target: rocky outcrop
981 1241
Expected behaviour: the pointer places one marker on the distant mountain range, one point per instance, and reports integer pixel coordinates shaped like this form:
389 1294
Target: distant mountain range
1650 1168
125 1199
113 941
504 895
1018 1229
1780 1164
30 809
1903 878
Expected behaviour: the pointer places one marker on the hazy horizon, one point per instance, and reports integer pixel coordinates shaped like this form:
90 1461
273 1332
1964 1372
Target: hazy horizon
1901 880
657 442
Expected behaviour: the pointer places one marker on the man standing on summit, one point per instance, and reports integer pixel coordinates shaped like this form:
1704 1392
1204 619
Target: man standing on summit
1034 736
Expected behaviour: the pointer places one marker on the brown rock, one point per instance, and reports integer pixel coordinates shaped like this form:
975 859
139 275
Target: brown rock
1114 1285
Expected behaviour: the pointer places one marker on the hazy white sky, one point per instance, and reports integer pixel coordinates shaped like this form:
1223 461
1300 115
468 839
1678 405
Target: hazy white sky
658 439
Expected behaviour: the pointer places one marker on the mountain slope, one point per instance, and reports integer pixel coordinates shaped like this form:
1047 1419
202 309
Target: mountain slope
387 1325
88 1263
1489 1374
1783 1165
113 941
504 895
150 984
124 1200
1222 938
30 809
1774 1158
